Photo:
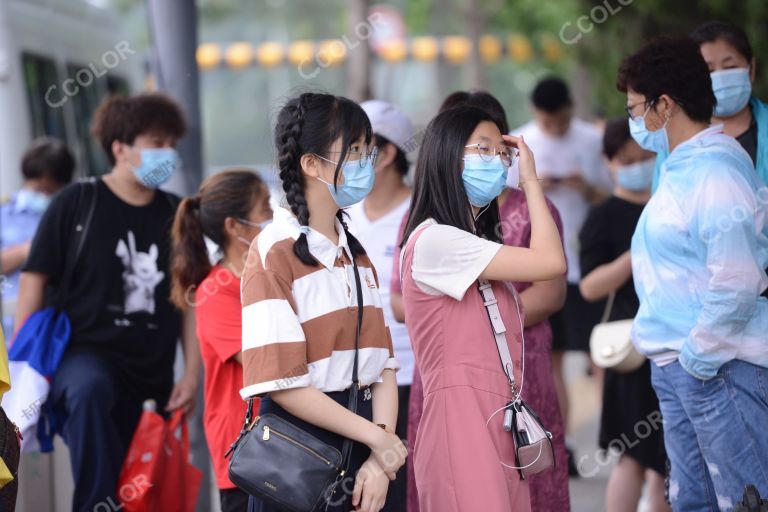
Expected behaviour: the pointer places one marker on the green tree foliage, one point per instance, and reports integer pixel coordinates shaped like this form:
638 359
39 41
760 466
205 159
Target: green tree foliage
602 49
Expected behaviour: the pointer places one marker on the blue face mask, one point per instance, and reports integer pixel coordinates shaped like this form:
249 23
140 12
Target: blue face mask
32 200
483 180
732 89
636 177
650 141
157 166
358 182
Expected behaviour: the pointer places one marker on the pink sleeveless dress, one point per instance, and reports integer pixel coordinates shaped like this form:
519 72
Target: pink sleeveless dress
457 457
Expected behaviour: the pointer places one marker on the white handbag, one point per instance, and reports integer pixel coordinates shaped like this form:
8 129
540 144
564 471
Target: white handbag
610 344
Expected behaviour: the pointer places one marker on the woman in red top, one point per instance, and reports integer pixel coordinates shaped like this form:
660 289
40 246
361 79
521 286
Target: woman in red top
230 209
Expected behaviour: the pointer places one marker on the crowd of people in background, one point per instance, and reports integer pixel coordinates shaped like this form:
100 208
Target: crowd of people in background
661 218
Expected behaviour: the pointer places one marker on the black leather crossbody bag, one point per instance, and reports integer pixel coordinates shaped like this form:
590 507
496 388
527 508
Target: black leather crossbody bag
280 463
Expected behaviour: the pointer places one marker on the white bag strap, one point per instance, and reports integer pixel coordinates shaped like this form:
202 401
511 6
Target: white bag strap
499 331
608 307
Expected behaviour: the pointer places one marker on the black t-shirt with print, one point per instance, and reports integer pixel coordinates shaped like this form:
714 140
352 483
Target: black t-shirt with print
118 301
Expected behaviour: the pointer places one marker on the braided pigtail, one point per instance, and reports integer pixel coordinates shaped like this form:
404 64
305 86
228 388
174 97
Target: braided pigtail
288 134
310 124
355 246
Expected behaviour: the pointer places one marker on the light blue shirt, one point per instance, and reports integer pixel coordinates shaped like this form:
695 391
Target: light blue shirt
698 257
17 226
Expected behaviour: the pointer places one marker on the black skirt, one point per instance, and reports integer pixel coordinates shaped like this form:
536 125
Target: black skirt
360 452
631 418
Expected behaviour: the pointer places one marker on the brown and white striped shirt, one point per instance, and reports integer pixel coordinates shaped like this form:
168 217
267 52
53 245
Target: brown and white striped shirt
299 321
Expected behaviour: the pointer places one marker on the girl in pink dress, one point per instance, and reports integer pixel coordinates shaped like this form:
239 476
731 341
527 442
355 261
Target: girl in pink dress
463 459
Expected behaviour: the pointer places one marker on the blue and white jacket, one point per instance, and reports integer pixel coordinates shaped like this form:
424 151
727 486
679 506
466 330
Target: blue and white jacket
698 257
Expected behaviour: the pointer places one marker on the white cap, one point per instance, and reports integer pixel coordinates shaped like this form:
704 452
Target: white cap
389 121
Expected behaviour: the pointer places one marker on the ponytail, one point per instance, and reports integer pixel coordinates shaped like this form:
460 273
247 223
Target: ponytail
229 193
309 124
189 256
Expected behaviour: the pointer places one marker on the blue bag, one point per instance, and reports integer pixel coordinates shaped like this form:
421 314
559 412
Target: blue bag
37 350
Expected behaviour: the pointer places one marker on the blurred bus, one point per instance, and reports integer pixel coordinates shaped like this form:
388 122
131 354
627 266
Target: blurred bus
58 60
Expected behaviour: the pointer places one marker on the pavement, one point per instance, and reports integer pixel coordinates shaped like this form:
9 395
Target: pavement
584 392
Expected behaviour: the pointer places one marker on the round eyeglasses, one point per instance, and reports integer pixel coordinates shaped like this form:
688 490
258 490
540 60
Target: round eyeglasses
362 156
488 152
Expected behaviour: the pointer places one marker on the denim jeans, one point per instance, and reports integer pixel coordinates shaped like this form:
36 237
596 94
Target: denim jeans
714 433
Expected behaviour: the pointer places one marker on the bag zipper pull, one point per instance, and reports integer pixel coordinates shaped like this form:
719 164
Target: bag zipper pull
265 437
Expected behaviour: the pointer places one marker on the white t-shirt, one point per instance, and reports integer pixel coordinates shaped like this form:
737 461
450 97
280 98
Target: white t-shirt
379 239
578 151
448 260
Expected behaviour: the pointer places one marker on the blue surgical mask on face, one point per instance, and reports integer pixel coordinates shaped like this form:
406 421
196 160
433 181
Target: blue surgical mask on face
32 200
650 141
483 180
157 166
636 177
358 182
732 88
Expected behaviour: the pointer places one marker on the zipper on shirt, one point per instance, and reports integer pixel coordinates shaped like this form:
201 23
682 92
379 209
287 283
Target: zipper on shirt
269 430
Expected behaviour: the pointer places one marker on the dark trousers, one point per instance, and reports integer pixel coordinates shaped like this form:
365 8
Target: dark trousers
101 416
233 500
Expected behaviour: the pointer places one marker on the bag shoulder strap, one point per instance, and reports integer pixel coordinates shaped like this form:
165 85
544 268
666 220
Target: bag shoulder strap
608 308
499 331
87 194
88 188
346 449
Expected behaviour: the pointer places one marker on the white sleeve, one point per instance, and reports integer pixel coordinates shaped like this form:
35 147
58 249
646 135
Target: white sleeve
447 260
594 168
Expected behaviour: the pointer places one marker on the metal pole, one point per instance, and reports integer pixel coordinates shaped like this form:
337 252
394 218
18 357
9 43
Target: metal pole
173 26
359 58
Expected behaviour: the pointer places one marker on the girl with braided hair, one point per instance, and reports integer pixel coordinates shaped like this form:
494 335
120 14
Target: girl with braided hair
300 301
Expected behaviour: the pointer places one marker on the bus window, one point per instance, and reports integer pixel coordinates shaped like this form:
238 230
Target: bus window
39 76
92 159
117 85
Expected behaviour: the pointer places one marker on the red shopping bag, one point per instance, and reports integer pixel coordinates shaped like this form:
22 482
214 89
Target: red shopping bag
157 475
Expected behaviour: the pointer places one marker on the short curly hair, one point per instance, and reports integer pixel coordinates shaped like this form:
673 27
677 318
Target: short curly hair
122 119
672 66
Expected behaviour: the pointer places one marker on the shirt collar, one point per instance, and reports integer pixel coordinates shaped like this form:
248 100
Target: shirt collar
703 134
324 251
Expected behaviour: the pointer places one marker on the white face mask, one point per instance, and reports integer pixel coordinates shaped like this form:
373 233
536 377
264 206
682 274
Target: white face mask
260 225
